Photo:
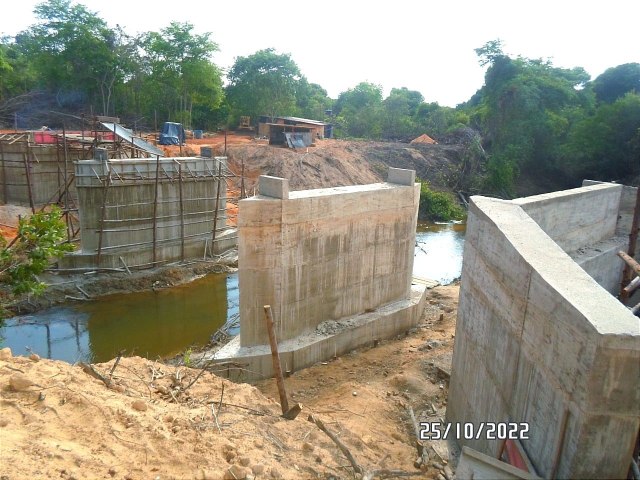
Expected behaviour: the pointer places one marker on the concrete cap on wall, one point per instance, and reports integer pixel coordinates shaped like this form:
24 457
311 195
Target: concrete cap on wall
401 176
206 152
273 187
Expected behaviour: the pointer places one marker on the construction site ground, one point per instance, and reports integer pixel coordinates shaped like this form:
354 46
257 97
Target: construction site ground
148 420
161 421
327 163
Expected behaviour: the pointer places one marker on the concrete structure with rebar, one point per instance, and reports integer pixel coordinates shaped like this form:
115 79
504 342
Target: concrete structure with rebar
150 211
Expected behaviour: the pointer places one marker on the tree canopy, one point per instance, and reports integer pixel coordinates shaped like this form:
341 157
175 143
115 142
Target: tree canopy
531 117
263 84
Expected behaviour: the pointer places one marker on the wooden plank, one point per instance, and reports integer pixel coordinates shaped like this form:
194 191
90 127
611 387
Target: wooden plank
424 281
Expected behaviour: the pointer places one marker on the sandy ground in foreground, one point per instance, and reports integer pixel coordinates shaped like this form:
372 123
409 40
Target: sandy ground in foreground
157 421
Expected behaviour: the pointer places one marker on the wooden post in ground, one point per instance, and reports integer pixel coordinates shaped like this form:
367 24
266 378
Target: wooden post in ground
275 357
288 413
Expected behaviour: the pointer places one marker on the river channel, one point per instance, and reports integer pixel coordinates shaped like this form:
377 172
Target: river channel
168 321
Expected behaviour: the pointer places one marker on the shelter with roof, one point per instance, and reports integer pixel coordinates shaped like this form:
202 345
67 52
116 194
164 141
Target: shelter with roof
288 130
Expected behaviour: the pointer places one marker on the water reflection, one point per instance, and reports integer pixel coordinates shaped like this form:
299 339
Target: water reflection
438 253
168 321
149 324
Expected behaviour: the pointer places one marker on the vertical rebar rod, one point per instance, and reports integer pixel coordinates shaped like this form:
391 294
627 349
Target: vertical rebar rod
155 210
181 212
217 206
243 194
65 175
105 192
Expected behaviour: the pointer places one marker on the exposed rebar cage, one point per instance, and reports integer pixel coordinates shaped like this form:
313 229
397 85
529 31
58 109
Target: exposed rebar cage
153 211
173 209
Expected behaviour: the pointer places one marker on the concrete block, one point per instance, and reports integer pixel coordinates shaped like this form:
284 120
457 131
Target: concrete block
401 176
352 246
273 187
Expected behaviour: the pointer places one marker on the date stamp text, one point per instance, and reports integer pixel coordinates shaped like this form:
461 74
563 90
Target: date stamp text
474 431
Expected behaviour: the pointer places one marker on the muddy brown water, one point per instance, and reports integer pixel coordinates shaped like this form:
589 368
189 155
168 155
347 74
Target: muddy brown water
166 322
151 324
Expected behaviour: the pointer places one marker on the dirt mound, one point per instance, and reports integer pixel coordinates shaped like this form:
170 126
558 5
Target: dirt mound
332 163
424 138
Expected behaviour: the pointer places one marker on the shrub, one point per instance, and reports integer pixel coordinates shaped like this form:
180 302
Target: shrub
40 238
438 206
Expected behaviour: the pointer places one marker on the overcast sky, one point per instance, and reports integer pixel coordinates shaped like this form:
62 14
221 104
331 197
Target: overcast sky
422 45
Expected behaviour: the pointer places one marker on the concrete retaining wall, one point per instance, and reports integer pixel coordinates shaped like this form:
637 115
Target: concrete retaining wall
46 172
538 340
323 254
584 223
175 214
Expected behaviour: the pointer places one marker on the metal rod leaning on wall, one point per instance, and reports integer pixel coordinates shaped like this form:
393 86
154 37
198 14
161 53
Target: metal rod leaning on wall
217 206
155 209
104 213
181 211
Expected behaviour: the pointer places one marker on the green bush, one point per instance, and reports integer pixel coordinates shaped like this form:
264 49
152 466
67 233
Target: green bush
438 206
40 239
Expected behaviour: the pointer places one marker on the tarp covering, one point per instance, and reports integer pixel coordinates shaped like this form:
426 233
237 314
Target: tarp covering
172 134
127 135
296 140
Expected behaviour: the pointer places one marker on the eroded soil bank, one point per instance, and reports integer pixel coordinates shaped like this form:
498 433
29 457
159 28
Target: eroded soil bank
160 421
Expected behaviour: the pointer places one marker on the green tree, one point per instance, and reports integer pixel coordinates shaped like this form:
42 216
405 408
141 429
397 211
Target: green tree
311 100
616 81
436 120
71 49
605 146
400 108
263 83
180 75
359 111
526 111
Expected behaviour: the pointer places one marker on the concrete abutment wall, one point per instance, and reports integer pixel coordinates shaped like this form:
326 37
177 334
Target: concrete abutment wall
324 254
539 340
341 254
34 173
